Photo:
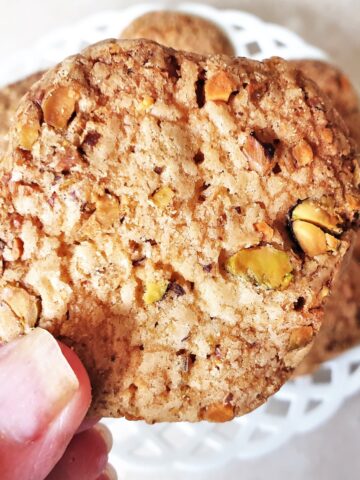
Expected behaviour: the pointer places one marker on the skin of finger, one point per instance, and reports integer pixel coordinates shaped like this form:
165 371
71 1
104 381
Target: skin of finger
85 458
88 423
34 460
35 378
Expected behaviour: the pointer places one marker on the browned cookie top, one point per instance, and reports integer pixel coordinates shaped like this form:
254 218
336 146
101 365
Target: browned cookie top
181 31
149 214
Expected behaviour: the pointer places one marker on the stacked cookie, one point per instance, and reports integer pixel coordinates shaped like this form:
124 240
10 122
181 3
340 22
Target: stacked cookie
178 219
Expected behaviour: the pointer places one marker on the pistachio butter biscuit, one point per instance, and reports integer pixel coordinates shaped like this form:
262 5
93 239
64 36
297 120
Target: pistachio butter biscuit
341 326
177 220
181 31
9 99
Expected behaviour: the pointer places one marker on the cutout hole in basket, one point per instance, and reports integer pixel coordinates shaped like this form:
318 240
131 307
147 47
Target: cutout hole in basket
203 450
101 28
228 430
259 434
312 405
354 366
278 407
148 449
322 376
253 48
239 28
278 43
175 437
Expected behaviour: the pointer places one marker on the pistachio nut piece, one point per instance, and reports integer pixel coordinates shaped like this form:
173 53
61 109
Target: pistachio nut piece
264 265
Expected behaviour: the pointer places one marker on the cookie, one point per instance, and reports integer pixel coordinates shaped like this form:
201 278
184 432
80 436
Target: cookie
177 220
9 99
341 326
181 31
338 87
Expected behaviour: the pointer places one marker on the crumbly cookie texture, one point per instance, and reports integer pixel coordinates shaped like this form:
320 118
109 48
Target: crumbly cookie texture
153 207
338 87
9 99
341 326
181 31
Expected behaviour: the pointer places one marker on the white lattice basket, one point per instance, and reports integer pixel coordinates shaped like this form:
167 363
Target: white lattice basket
301 404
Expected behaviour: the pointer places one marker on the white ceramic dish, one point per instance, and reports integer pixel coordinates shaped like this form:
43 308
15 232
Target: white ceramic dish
300 405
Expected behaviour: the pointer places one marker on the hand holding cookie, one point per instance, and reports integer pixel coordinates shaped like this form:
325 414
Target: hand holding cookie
45 393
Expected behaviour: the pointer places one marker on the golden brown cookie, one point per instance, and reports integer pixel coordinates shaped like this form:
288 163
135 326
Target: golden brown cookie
177 220
9 99
181 31
341 326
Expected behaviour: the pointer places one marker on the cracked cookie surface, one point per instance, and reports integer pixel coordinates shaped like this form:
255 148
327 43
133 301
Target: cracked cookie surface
148 206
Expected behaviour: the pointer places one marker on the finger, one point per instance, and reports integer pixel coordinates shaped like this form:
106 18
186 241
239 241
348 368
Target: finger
44 396
85 458
108 474
88 423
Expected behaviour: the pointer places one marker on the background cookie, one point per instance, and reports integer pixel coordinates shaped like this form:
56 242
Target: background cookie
148 217
9 99
181 31
338 87
341 327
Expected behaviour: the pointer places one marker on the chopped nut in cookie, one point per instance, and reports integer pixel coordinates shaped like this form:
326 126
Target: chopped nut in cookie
266 266
155 291
258 156
146 103
58 106
219 87
300 337
24 305
162 197
219 412
310 211
303 153
308 222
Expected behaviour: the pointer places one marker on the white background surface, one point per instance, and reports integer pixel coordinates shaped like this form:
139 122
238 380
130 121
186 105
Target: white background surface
331 452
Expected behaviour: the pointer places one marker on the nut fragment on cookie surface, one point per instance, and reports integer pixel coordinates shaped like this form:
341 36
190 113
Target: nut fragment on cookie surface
162 197
303 153
59 105
219 87
310 222
154 291
311 211
267 266
156 243
146 103
300 337
181 31
219 412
